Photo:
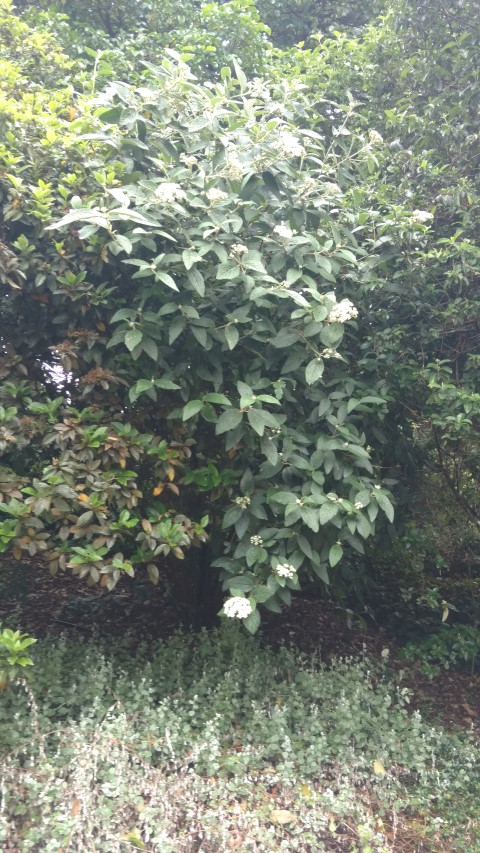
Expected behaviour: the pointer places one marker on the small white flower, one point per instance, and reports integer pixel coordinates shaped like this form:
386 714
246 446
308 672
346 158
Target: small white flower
342 311
169 192
359 505
256 540
375 137
237 608
215 195
239 249
422 216
377 487
329 352
283 231
285 570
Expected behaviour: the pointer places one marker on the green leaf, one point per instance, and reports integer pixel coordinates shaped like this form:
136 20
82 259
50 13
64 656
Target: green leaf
386 505
256 419
227 271
221 399
139 388
192 408
252 622
335 554
189 258
241 583
285 338
228 420
175 329
151 348
363 526
321 572
197 281
314 370
133 338
261 593
231 516
327 512
166 384
240 75
166 279
123 242
310 517
231 336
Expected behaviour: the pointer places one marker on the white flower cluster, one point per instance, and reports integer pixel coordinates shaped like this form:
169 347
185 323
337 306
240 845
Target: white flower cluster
233 166
342 311
258 89
243 502
330 188
422 216
375 137
285 570
239 249
256 540
169 192
237 608
359 505
289 146
283 231
215 195
307 185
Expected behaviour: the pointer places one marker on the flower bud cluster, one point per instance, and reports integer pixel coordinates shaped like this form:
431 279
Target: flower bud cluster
189 160
238 249
375 137
244 502
256 540
329 188
215 195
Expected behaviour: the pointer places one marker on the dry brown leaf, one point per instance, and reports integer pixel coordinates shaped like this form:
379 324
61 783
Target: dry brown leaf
282 817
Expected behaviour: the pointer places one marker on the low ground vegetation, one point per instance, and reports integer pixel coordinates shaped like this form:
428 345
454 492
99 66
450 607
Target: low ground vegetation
213 742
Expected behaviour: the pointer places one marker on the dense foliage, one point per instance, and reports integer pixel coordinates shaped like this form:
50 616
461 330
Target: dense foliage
239 311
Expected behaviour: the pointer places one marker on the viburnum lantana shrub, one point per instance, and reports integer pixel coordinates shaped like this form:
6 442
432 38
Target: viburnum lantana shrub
198 323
